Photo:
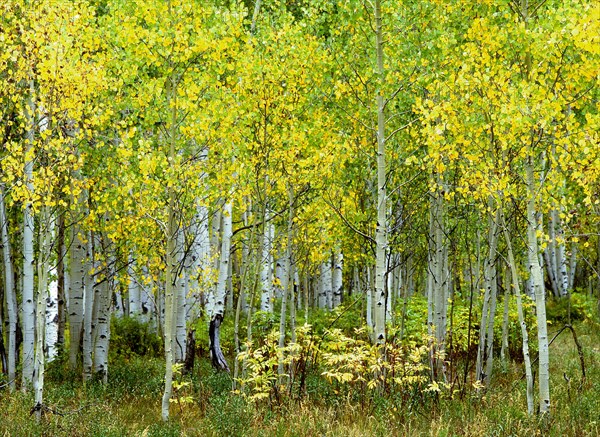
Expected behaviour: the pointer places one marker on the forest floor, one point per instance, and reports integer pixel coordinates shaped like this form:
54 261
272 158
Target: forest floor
130 404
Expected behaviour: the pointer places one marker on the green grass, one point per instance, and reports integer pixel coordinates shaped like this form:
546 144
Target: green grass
130 405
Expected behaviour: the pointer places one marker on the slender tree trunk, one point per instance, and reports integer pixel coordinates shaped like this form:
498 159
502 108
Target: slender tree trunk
286 291
338 267
550 256
170 318
170 304
51 318
133 290
437 282
10 293
524 335
215 256
28 303
537 279
369 292
180 289
101 329
504 349
536 276
217 357
381 229
488 312
63 279
199 264
242 302
573 266
42 273
88 310
76 294
326 281
266 278
389 289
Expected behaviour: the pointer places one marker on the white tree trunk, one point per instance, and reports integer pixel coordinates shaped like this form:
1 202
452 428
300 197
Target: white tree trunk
28 303
338 269
369 291
550 256
52 318
215 255
573 266
133 289
76 303
170 306
199 270
42 290
88 310
280 276
171 259
217 357
561 258
148 302
179 348
10 293
537 280
287 291
524 335
486 328
266 272
504 349
118 304
437 281
326 296
101 328
381 238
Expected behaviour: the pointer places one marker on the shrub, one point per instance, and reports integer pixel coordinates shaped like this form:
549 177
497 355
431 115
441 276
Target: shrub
130 337
578 305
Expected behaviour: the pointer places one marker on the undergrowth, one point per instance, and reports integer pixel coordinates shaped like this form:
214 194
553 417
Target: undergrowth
344 394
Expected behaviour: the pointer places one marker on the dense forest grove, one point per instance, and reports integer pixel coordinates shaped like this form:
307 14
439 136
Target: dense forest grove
300 217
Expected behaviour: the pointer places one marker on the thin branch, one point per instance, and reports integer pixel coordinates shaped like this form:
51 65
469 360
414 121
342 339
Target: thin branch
395 131
347 223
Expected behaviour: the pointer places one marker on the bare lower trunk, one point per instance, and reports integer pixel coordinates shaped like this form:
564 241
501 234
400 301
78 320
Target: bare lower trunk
28 303
381 238
88 310
10 293
287 291
504 349
76 294
537 279
42 273
217 357
522 324
266 299
486 328
101 334
179 346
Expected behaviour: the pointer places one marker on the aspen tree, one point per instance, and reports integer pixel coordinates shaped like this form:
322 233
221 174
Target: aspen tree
10 293
379 333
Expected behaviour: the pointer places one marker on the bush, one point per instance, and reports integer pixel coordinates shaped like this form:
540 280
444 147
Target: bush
579 305
132 337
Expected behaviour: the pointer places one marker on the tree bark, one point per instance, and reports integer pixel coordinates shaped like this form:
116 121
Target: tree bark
217 357
10 293
42 289
28 303
88 309
381 229
338 268
537 279
522 324
266 278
